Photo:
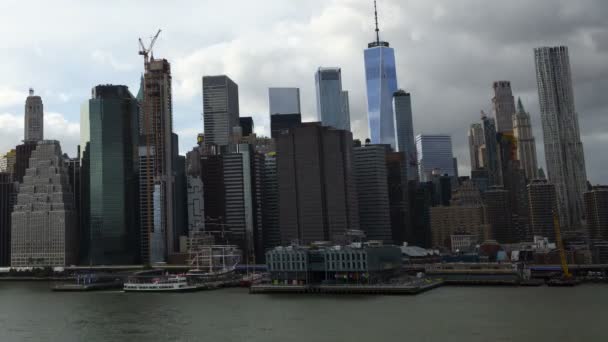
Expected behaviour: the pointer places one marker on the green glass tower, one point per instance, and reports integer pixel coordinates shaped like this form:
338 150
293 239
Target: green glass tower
109 139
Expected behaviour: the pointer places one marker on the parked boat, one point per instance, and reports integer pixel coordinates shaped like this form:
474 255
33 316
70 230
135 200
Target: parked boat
161 284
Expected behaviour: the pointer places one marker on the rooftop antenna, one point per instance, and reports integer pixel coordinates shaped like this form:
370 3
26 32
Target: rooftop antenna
377 26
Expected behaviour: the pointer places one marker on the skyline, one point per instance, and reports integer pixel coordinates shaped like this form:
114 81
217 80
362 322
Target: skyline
440 77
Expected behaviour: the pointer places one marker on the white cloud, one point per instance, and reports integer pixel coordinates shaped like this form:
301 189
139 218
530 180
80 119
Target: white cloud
56 127
11 97
107 58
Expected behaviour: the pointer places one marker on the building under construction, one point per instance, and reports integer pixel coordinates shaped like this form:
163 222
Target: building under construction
156 157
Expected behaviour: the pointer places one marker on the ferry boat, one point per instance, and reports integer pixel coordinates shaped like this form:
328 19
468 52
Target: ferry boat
160 284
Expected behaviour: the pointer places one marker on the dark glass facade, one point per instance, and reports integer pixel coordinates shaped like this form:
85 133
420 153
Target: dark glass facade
111 177
7 193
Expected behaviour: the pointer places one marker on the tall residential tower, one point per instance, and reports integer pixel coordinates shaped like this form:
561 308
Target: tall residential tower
563 147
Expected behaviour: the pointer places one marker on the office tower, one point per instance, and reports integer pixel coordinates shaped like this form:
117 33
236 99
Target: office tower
503 104
420 200
434 156
317 197
442 189
563 147
515 182
332 102
481 179
74 168
282 123
402 106
457 220
238 183
498 214
180 197
596 209
156 159
44 231
543 207
220 109
491 152
7 200
34 118
476 142
371 177
272 232
23 153
109 137
7 162
526 144
381 80
246 124
284 101
398 196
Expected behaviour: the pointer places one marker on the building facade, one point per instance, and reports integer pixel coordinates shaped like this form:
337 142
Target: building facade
435 156
543 208
498 214
332 102
220 109
564 152
284 101
491 151
596 209
371 176
110 140
503 104
406 144
317 195
7 201
34 118
44 229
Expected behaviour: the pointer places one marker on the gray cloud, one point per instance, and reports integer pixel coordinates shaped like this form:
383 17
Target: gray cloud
448 52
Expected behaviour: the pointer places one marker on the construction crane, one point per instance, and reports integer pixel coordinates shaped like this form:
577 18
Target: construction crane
560 245
147 51
150 166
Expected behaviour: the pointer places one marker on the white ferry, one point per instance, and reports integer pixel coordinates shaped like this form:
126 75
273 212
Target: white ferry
160 284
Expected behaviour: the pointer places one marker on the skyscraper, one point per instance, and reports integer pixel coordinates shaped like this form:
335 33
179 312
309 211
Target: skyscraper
220 109
526 144
381 79
272 231
371 176
34 118
332 101
476 142
563 147
156 158
503 104
44 230
402 105
543 207
109 137
317 195
491 157
435 156
499 214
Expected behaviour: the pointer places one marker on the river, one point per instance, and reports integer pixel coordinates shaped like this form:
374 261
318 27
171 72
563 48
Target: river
31 312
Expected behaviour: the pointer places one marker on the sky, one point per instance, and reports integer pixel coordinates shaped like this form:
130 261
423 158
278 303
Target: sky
448 55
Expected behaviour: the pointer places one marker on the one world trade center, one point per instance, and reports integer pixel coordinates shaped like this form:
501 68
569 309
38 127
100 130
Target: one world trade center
381 79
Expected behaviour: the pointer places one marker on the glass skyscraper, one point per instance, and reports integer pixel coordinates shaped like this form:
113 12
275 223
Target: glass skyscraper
332 102
109 134
381 79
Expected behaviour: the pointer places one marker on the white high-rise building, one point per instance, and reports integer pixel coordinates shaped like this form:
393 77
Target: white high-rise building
563 147
435 156
526 144
34 118
476 143
44 228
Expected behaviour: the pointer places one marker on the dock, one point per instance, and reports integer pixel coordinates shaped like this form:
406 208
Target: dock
102 286
348 289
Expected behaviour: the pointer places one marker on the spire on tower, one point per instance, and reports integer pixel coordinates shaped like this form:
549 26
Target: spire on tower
377 26
520 106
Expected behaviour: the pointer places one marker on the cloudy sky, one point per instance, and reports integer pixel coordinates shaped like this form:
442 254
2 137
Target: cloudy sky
448 54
